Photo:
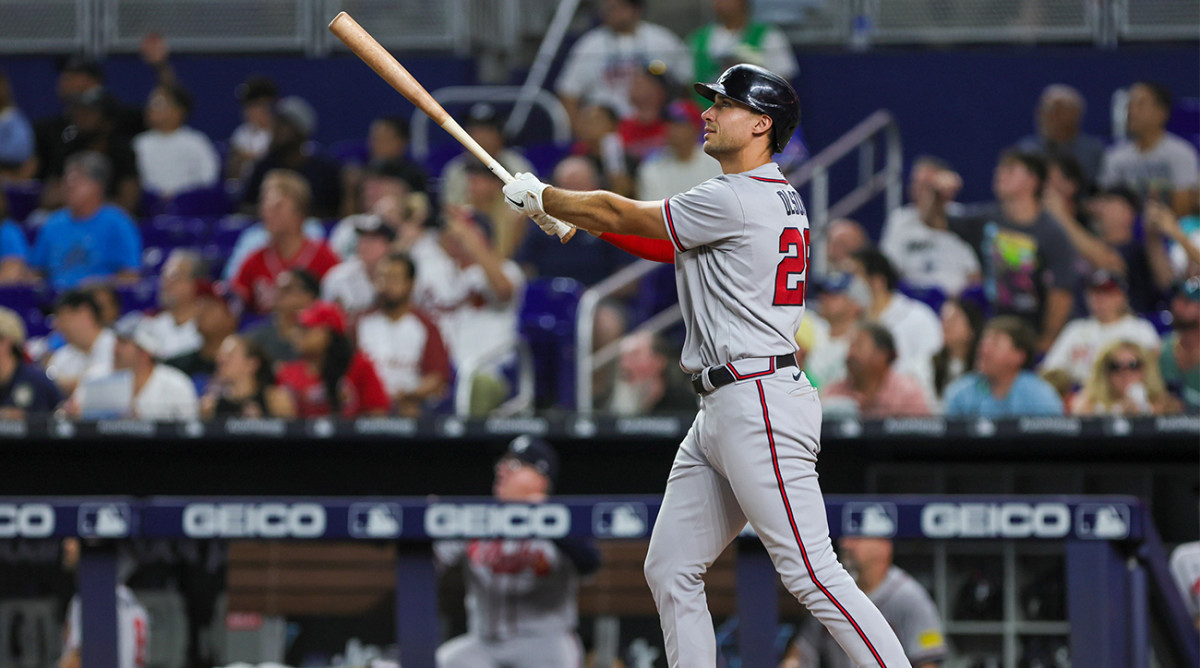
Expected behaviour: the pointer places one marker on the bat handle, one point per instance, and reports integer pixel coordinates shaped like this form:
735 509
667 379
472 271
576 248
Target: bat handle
564 231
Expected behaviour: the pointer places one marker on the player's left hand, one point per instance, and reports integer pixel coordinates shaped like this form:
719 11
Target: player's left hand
548 223
524 194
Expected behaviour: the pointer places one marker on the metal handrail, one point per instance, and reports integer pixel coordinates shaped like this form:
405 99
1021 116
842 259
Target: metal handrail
871 182
551 43
560 121
520 402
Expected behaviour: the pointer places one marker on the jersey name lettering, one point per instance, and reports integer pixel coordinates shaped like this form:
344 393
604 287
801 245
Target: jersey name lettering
791 202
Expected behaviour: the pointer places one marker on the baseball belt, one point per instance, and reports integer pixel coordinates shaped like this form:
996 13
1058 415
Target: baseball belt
720 376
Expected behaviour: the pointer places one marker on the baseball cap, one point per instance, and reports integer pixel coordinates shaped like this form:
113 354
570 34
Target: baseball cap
136 328
11 326
483 113
256 88
323 314
684 111
1105 280
80 64
299 113
369 223
536 453
844 283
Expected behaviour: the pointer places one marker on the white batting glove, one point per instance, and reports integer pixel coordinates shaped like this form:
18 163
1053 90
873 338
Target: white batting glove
524 194
549 223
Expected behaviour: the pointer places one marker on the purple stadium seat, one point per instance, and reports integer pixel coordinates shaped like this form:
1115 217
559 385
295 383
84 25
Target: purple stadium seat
31 304
214 201
548 324
140 296
349 151
22 198
931 297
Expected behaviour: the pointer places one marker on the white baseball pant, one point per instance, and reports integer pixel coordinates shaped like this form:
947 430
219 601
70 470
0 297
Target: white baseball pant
560 650
751 454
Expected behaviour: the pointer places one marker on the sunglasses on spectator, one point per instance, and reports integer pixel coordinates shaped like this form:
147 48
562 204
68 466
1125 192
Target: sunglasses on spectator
1114 366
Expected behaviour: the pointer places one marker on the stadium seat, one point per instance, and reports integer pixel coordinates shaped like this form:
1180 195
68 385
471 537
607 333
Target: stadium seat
213 201
31 303
548 324
23 197
932 297
349 151
140 296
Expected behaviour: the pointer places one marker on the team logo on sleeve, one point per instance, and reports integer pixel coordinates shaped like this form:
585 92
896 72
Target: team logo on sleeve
1102 521
374 520
620 520
870 519
105 520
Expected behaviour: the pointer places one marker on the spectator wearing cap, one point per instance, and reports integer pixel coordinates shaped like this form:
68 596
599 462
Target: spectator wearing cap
217 314
331 377
16 137
483 124
601 66
171 156
294 125
485 196
244 384
89 345
874 388
175 326
285 201
540 577
1155 163
89 239
402 341
252 138
962 323
387 144
1060 111
1109 320
925 253
644 130
1124 380
386 190
735 38
1180 357
296 290
680 165
1028 261
841 302
351 284
160 391
915 327
1117 248
1002 385
24 387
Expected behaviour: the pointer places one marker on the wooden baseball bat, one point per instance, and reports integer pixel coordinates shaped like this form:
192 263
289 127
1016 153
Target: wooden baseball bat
386 66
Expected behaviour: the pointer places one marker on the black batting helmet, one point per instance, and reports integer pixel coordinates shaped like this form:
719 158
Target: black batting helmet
763 91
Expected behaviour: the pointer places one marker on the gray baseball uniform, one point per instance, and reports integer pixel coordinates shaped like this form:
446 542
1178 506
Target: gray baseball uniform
1185 567
906 606
740 266
521 605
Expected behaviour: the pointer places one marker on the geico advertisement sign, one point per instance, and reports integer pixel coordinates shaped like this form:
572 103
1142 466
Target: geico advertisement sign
471 520
26 520
995 520
253 520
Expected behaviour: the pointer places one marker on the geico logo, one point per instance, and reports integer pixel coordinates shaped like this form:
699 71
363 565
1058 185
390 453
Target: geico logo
31 520
990 520
264 520
447 520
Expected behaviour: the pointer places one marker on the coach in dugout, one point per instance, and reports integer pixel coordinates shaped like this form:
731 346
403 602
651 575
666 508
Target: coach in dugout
521 594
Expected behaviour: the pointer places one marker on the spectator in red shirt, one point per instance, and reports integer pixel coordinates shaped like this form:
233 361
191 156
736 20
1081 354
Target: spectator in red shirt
871 384
645 130
283 207
331 377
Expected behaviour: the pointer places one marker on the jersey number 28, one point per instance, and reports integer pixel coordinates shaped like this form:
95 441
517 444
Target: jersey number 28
789 275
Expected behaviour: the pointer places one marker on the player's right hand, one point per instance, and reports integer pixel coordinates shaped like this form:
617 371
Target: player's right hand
524 194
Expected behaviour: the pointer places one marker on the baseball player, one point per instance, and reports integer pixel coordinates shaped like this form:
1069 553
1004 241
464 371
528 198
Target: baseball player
521 594
740 245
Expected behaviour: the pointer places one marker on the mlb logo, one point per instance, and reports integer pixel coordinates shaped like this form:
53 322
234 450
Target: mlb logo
620 520
870 519
374 520
1102 521
105 520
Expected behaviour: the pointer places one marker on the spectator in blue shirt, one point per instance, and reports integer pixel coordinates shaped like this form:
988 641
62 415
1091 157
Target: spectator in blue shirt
16 136
24 387
1003 385
14 253
89 238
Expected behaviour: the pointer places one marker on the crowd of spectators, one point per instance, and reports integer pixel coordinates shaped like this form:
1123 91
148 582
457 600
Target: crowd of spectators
364 283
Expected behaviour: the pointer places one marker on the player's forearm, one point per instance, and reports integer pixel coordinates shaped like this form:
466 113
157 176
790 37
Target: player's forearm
602 211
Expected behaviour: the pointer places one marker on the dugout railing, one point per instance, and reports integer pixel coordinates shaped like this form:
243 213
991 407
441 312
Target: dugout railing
1123 608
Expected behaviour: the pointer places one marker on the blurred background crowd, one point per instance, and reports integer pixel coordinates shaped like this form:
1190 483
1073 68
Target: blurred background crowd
149 270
